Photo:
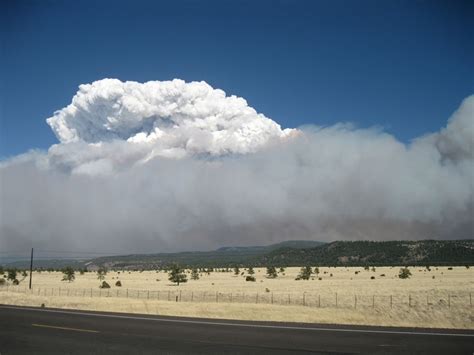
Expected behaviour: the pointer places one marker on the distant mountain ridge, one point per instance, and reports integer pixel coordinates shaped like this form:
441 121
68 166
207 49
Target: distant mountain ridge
355 253
297 244
292 253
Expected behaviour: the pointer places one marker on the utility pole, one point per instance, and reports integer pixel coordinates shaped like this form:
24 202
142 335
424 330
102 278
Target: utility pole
31 266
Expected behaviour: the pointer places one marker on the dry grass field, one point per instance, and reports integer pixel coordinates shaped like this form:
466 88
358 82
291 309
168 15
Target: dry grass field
439 298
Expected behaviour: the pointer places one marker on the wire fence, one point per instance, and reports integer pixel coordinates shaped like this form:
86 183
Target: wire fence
322 300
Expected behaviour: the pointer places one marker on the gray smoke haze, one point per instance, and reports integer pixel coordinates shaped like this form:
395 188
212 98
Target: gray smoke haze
166 166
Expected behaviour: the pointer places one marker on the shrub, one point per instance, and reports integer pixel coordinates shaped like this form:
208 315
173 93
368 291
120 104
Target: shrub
118 284
250 278
104 285
372 277
251 271
2 281
404 273
16 282
450 268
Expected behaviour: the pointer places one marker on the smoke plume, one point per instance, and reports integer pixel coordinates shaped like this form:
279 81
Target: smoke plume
164 166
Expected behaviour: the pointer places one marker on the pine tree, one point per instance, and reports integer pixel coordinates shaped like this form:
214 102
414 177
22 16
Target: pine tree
250 271
11 274
177 275
194 274
101 273
305 273
271 272
69 275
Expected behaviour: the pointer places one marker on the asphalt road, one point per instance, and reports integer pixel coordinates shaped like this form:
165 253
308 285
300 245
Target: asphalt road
25 330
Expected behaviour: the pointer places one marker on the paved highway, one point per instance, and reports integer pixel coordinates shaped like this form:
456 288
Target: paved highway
25 330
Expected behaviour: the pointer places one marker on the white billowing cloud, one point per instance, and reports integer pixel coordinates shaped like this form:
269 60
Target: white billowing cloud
131 175
173 118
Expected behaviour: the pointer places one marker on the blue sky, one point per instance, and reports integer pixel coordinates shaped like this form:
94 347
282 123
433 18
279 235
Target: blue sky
401 65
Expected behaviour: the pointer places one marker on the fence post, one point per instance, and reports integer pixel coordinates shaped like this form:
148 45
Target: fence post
409 300
470 298
192 296
319 301
289 299
256 299
391 302
59 291
373 301
449 300
355 301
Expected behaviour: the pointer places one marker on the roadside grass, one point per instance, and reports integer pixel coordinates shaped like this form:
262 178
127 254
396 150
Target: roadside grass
355 293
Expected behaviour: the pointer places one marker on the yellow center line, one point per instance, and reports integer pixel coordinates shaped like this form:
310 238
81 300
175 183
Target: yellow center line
65 328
